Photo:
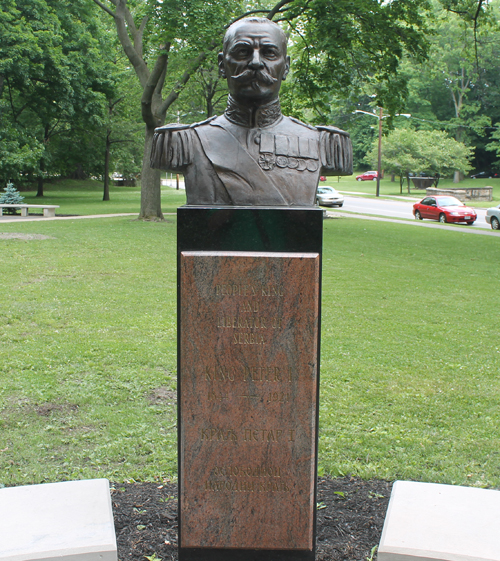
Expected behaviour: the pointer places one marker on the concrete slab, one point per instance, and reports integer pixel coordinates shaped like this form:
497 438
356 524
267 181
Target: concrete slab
428 522
69 521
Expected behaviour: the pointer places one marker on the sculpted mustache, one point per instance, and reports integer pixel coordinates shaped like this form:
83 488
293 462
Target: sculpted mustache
249 75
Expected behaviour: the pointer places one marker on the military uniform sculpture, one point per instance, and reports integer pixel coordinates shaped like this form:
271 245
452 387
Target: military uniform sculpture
253 154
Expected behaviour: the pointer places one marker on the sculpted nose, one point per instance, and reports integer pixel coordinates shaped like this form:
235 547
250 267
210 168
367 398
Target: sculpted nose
256 63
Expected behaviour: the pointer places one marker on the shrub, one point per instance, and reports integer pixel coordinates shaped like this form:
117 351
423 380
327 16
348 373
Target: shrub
11 197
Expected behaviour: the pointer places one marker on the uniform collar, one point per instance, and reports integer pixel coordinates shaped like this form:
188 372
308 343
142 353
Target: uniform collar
254 115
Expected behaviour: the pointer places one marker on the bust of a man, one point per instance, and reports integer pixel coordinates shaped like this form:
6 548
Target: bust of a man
253 154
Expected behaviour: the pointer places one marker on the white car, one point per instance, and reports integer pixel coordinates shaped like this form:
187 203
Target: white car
493 217
328 196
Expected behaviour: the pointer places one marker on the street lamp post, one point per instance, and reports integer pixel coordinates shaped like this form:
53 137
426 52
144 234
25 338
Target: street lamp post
380 116
379 161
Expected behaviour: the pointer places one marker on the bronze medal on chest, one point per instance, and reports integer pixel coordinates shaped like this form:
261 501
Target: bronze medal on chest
267 161
282 161
302 165
312 165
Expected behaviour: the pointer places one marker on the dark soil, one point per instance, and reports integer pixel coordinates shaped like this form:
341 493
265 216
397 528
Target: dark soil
351 514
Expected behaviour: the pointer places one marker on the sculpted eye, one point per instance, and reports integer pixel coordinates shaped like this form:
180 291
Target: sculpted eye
241 52
270 53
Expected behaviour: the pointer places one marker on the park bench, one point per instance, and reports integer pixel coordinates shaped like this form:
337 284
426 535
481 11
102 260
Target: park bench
48 210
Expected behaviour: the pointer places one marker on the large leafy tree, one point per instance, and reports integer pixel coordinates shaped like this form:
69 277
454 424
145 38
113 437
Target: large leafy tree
351 48
123 131
165 42
458 88
55 81
455 68
18 41
407 150
205 95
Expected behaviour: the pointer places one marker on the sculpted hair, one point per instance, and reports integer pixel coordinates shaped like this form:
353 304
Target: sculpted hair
258 20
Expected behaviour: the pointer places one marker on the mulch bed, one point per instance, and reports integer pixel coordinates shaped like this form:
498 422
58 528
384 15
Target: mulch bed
351 514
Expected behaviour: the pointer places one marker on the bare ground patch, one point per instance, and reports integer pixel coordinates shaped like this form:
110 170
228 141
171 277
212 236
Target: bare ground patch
45 409
163 395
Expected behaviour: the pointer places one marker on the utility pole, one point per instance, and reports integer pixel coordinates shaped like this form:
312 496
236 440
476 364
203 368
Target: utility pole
379 164
380 116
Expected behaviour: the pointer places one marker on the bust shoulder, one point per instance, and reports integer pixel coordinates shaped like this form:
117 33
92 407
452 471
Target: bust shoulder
318 128
299 127
173 145
336 150
174 127
300 123
332 130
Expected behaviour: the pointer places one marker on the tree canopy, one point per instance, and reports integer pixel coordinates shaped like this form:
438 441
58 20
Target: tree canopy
457 88
55 77
341 43
350 46
91 74
407 150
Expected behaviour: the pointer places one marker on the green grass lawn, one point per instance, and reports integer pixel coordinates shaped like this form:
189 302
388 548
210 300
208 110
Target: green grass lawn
85 197
410 352
411 348
389 188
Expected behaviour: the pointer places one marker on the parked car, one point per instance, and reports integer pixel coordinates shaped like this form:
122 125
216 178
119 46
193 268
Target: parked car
493 217
367 176
485 175
445 209
328 196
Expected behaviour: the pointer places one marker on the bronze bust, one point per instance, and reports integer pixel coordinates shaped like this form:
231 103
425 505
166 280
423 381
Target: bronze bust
253 154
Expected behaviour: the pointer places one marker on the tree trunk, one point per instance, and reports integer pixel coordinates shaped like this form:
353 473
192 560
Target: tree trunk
457 176
39 192
150 183
210 108
393 177
78 173
105 196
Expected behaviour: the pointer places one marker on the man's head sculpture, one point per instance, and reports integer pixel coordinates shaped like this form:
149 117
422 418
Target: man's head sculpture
254 60
253 154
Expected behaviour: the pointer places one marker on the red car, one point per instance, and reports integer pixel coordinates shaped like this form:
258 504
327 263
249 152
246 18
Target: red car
367 176
445 209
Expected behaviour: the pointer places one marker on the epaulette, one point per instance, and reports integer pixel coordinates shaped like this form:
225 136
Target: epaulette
192 126
181 127
329 128
301 123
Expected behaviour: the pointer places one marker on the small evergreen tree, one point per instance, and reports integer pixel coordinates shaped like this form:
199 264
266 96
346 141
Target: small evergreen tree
11 197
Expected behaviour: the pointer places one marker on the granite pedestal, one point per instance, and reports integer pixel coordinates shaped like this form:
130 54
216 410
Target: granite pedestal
69 521
248 374
432 522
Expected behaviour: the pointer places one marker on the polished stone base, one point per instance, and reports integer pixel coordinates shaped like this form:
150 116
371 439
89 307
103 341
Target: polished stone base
431 522
249 287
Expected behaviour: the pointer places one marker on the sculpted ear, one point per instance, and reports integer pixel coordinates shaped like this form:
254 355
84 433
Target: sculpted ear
287 68
220 59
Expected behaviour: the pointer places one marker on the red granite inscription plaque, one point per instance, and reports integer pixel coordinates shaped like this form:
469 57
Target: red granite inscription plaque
248 399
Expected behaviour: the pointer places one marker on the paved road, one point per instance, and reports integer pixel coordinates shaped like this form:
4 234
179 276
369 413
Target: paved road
396 209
